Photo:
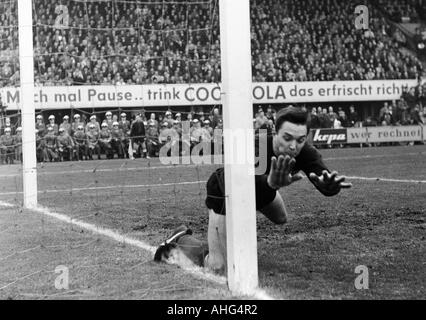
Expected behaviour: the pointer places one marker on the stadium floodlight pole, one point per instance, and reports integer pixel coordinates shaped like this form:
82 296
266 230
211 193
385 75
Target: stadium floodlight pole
235 37
26 62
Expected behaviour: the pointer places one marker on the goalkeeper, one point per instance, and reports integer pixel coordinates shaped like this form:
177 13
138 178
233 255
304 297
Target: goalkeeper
288 153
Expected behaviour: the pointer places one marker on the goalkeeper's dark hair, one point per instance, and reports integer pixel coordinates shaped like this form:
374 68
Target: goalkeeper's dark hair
294 115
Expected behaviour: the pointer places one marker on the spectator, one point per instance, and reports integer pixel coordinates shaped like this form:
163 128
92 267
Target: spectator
216 118
105 140
400 37
168 138
314 119
41 152
124 124
416 117
169 118
393 110
292 40
324 119
420 42
386 118
66 125
402 113
353 117
81 143
208 128
7 147
410 98
8 124
331 112
201 117
108 120
384 110
51 145
421 96
40 126
93 140
261 119
93 121
369 122
196 133
137 136
53 125
269 113
65 145
343 119
76 123
152 138
117 140
335 123
423 115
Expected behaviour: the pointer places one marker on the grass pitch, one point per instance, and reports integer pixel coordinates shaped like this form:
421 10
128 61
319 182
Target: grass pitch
379 223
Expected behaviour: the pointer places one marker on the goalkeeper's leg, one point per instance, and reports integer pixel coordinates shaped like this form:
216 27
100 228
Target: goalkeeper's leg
211 255
276 210
182 241
216 259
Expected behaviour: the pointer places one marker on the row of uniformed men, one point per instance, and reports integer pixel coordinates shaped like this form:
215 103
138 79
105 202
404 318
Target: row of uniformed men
85 141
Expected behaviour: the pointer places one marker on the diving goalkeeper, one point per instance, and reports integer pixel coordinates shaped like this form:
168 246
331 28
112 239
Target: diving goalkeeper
288 153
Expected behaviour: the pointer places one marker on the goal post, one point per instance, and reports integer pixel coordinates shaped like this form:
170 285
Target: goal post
26 62
235 39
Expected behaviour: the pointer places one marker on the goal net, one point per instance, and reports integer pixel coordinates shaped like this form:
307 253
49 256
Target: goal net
100 66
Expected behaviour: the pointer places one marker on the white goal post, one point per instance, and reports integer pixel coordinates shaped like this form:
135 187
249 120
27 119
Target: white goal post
235 39
237 113
26 66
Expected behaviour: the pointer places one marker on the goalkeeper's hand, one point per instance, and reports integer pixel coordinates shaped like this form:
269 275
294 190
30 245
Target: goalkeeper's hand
329 184
280 174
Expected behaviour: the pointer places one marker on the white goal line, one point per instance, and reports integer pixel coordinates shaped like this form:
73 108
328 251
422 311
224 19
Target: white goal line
116 236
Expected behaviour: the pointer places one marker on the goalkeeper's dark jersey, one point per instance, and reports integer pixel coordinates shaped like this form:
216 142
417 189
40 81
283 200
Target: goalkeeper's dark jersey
309 160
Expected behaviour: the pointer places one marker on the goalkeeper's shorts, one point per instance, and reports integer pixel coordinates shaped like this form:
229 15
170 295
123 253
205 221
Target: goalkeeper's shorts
215 199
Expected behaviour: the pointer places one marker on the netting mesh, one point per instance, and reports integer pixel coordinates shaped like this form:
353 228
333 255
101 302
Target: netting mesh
95 216
97 43
116 43
126 42
9 58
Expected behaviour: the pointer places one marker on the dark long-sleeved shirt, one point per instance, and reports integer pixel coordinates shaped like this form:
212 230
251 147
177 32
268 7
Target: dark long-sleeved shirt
137 130
309 161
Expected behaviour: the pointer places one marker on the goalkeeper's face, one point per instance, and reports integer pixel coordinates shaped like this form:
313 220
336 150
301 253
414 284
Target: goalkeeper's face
290 139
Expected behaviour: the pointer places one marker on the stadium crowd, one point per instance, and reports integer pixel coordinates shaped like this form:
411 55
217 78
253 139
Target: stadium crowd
125 42
86 139
128 42
301 41
403 10
395 113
